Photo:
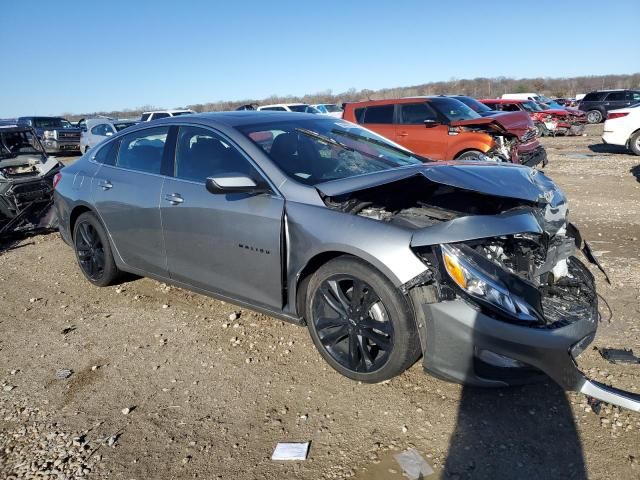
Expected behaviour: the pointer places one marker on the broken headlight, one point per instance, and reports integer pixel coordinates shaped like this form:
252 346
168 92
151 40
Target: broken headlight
484 289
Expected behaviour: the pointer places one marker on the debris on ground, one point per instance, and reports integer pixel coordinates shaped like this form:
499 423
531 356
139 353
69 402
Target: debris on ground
618 355
63 373
68 329
291 451
412 464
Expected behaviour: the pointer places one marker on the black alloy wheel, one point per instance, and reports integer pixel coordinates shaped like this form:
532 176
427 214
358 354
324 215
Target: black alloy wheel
352 323
90 251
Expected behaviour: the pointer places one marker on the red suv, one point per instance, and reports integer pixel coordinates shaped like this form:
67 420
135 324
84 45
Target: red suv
444 128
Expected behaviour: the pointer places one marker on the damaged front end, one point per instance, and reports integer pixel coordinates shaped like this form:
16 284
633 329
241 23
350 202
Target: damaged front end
505 298
26 182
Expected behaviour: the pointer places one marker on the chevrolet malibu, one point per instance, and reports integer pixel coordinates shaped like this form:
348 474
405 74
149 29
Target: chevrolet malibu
384 255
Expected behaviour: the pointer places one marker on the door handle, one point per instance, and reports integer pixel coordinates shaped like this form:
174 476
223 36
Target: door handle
105 184
174 198
403 134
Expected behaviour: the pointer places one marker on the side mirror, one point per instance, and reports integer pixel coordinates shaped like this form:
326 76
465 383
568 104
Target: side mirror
431 123
109 134
233 183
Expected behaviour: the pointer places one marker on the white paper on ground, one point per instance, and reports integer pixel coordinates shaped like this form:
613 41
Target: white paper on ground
413 464
290 451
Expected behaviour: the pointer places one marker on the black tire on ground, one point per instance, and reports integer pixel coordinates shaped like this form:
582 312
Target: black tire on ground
634 142
594 116
366 331
470 155
93 251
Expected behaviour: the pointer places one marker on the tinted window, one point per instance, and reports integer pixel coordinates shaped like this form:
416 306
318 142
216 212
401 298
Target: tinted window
123 125
107 153
359 113
142 151
201 153
145 117
51 122
473 104
381 114
102 129
510 107
416 113
275 109
298 108
617 97
177 114
634 96
594 96
453 109
156 116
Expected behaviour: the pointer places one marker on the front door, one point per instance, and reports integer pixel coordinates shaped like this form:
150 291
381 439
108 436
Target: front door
127 197
223 243
413 133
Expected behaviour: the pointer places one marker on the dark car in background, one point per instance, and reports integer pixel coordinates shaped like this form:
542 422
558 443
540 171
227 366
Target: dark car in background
57 134
597 104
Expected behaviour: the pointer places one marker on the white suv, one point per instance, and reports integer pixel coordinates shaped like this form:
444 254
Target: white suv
289 107
622 127
155 115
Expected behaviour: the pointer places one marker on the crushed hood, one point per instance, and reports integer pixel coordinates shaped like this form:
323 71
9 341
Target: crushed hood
500 180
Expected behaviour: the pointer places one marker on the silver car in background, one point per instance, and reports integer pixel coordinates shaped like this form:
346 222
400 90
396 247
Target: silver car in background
384 255
95 130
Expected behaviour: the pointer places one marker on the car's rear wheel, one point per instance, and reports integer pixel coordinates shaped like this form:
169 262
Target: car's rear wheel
93 251
594 116
360 323
634 143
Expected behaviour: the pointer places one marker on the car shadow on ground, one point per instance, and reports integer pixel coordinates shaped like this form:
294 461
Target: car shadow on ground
635 171
515 433
604 148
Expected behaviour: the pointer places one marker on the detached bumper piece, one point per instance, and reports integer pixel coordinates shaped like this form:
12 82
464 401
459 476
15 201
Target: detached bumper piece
26 206
534 157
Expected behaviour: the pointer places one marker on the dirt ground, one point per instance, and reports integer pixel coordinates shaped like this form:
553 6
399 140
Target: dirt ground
209 397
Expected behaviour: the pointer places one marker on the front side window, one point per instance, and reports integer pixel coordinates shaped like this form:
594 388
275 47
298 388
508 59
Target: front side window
142 151
594 96
453 109
380 114
320 149
416 113
617 97
145 117
102 129
122 125
200 153
107 154
634 97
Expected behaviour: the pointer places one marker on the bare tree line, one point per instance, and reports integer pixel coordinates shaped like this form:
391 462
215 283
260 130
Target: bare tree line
476 87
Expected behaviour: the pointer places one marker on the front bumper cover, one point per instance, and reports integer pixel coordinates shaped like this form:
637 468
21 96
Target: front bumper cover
453 333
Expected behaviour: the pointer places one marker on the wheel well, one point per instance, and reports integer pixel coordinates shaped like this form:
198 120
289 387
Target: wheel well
305 275
75 213
461 152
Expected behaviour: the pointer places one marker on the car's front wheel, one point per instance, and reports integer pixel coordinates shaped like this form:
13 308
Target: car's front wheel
594 116
93 251
634 143
360 323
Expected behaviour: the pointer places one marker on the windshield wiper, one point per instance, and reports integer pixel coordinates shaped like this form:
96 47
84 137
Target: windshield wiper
355 136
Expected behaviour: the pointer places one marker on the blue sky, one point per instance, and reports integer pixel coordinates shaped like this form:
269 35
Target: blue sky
83 56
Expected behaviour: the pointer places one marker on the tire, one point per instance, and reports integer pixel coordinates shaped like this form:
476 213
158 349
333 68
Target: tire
594 116
470 155
542 129
634 142
370 340
93 251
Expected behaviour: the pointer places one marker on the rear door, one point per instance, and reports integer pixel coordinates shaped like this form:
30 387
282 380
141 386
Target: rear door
229 244
615 100
414 134
127 197
379 118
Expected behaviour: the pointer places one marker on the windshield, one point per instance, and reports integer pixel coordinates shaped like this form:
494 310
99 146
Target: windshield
14 143
453 109
122 125
318 150
531 106
474 104
51 122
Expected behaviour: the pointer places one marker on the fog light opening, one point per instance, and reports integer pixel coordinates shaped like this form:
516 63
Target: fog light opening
497 360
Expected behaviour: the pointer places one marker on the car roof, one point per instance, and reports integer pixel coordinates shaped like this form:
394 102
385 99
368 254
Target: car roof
170 110
504 100
235 118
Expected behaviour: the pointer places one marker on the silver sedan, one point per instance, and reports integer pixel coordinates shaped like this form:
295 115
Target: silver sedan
384 255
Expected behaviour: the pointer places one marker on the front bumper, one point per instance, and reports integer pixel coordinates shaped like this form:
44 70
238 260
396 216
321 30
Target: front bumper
58 146
533 157
455 337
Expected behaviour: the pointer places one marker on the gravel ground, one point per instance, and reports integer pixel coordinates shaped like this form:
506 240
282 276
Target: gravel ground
163 383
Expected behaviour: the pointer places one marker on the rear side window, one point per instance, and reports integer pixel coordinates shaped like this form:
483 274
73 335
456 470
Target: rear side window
617 97
381 114
510 107
102 129
107 154
416 113
145 117
142 151
156 116
634 96
200 153
594 96
275 109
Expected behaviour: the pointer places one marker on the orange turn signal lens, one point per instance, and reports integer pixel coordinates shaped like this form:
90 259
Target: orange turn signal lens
455 270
